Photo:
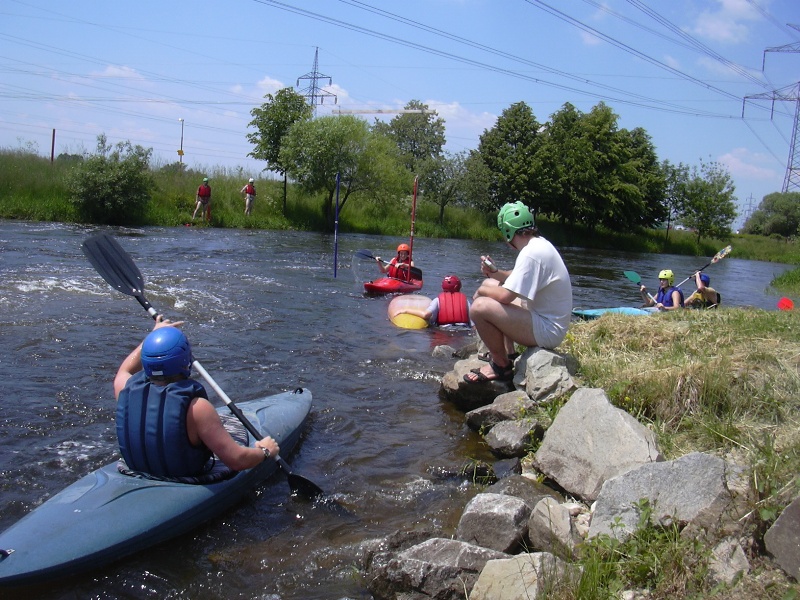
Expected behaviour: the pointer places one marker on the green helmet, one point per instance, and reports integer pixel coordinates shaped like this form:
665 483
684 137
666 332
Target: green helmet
513 217
668 275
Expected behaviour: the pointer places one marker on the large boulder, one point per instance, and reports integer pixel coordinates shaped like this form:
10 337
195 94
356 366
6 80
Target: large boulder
521 577
437 568
702 491
469 396
783 539
591 441
544 374
494 521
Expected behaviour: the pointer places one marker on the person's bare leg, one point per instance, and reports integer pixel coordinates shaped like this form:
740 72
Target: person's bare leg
499 326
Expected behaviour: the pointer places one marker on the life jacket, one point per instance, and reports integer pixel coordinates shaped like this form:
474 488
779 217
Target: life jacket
250 189
151 427
453 309
204 191
664 296
403 272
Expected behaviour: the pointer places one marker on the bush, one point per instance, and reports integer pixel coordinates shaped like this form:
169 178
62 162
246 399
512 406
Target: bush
113 186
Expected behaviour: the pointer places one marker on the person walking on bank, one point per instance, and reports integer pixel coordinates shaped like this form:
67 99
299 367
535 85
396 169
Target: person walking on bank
165 424
203 201
249 194
530 305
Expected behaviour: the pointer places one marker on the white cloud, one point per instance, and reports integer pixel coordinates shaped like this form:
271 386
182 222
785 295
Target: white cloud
117 72
728 24
268 85
742 163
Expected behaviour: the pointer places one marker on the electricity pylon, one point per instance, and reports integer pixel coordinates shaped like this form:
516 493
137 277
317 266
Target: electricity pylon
314 93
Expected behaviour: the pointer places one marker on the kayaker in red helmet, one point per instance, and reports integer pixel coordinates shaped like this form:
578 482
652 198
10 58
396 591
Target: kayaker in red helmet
450 308
165 424
399 266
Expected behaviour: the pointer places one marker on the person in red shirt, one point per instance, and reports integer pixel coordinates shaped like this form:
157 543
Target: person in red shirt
203 200
249 194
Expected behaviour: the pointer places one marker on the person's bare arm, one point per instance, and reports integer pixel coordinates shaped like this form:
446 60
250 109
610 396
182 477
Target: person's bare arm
204 420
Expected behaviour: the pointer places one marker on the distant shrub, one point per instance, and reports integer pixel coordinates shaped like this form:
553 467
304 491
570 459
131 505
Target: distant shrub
112 186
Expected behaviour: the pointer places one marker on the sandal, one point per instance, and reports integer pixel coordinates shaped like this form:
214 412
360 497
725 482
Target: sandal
486 357
501 374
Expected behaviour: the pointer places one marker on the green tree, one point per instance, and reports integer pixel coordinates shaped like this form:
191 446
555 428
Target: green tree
710 207
676 179
642 170
419 136
444 179
509 151
476 186
272 120
777 214
368 163
564 157
112 186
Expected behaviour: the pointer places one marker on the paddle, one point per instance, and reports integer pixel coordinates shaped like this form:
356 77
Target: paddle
633 276
118 269
717 257
785 304
367 255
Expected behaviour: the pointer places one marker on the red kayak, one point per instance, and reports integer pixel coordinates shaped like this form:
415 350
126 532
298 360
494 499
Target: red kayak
391 285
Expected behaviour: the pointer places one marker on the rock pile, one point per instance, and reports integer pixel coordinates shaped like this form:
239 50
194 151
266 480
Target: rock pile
519 536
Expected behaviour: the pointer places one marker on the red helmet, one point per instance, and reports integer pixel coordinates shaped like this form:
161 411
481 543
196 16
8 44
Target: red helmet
451 283
403 248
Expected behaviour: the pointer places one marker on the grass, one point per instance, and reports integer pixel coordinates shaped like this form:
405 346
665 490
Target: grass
725 382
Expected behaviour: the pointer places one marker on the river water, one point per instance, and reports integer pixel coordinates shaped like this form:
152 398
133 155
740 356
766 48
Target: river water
265 314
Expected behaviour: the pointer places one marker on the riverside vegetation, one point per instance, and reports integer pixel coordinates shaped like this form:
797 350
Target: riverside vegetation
723 381
32 188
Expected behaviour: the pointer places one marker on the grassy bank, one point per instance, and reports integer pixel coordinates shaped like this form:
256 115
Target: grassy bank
32 188
724 382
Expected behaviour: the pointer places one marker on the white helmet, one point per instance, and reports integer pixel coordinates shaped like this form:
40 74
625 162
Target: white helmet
251 180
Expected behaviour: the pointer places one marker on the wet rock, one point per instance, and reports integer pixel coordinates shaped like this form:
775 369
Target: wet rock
528 490
437 568
513 438
506 407
494 521
469 396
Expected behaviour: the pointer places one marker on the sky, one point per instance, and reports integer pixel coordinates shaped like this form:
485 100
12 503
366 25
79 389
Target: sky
177 74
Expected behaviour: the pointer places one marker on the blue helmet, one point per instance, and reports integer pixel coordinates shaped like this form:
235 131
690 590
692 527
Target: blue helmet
705 279
166 352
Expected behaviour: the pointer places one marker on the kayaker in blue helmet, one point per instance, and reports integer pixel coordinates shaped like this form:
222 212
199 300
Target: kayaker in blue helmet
704 296
668 297
529 305
165 424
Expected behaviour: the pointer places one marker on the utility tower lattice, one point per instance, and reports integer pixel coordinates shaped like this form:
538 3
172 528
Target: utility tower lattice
314 93
788 94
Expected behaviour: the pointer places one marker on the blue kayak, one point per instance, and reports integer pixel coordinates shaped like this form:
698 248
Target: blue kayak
594 313
107 515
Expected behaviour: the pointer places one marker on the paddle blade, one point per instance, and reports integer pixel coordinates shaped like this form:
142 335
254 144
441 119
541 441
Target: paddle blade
117 268
785 304
304 487
364 255
114 264
722 254
633 276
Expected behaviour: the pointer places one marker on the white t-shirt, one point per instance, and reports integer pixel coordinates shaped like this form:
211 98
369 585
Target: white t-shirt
540 276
